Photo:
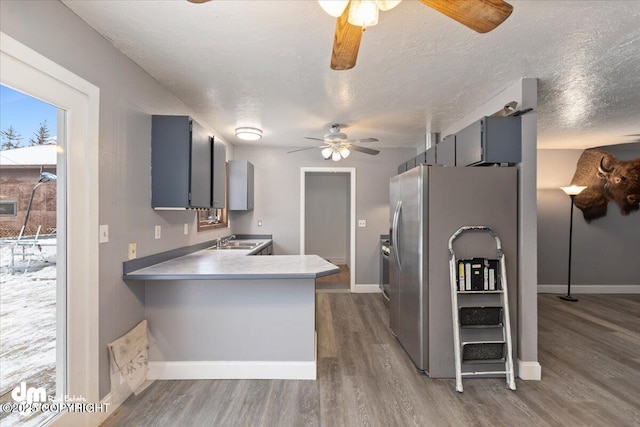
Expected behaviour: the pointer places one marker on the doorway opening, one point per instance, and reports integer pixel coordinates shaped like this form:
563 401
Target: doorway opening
328 223
76 261
32 290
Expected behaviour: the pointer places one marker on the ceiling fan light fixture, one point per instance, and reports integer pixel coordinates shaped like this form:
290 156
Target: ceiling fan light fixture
248 134
336 156
344 152
327 152
363 13
334 7
385 5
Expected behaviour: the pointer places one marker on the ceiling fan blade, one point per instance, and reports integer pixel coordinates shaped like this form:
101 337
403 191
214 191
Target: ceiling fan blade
364 140
303 149
479 15
346 43
315 139
364 150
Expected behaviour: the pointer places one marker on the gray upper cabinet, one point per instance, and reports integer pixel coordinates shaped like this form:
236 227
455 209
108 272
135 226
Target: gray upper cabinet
219 174
430 156
240 185
490 140
402 168
181 153
446 151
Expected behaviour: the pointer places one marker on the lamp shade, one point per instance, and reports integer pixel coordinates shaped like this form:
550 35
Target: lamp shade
344 152
327 152
249 134
573 190
363 13
333 7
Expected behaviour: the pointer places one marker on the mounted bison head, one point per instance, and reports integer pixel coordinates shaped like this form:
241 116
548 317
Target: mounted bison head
607 179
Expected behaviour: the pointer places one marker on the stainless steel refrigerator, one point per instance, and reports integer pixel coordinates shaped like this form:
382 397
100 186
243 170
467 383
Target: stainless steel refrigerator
428 204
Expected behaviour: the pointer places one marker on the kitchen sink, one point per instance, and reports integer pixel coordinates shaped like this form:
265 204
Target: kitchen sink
237 245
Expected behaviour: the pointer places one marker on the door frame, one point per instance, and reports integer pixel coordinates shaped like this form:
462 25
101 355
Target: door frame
28 71
352 214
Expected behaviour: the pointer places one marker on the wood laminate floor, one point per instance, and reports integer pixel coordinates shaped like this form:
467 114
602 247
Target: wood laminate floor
338 282
589 352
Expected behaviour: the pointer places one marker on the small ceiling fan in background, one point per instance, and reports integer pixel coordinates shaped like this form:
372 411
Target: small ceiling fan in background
337 146
354 16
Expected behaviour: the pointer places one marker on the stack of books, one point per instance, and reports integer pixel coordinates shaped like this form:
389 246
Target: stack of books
478 274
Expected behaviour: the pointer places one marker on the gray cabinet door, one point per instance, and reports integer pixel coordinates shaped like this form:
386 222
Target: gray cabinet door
219 174
446 151
430 156
180 163
490 140
240 185
200 172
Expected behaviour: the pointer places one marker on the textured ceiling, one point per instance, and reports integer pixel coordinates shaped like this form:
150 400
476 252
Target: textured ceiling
266 64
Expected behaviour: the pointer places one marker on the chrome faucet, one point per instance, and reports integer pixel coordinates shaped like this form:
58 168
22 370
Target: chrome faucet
223 241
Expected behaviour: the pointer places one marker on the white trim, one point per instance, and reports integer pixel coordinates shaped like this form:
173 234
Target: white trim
232 370
28 71
529 370
111 408
352 214
589 289
367 289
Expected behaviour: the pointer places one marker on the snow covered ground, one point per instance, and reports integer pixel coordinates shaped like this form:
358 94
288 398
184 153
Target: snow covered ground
27 329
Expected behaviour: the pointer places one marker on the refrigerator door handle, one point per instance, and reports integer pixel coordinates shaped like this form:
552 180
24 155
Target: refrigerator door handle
396 243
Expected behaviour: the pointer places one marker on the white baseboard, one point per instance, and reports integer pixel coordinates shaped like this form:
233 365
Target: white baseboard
529 370
108 400
367 289
227 370
589 289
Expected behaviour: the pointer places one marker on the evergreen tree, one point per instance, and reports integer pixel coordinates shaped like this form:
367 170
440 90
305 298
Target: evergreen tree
10 138
41 135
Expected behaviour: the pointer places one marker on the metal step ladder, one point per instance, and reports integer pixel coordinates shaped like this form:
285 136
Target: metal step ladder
467 316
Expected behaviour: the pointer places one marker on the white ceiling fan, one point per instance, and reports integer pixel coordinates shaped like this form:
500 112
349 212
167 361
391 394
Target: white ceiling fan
337 146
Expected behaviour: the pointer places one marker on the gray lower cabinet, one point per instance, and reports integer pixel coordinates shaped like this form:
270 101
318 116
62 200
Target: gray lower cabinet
266 251
490 140
219 174
240 185
180 163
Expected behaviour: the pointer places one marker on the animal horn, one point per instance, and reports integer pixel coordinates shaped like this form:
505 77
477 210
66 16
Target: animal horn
602 169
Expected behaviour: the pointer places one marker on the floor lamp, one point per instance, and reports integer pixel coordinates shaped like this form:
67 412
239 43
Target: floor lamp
572 191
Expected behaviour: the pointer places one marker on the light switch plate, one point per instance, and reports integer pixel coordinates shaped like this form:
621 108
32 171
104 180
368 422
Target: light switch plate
362 223
104 233
186 228
158 231
132 251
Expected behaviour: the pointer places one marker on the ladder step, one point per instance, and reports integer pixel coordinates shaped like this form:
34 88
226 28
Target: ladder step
471 374
480 317
483 352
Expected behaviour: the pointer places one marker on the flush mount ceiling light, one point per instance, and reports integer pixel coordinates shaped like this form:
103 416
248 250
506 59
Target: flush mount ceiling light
248 134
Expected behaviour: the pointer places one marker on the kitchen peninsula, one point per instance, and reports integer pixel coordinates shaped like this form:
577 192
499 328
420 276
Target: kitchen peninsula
219 313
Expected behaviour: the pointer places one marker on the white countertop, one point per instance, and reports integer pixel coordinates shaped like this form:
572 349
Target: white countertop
236 264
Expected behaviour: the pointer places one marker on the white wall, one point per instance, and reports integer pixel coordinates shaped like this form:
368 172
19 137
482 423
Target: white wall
605 251
277 199
327 216
128 98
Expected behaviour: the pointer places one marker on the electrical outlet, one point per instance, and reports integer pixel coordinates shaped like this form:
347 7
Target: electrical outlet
104 233
158 231
186 228
362 223
132 250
